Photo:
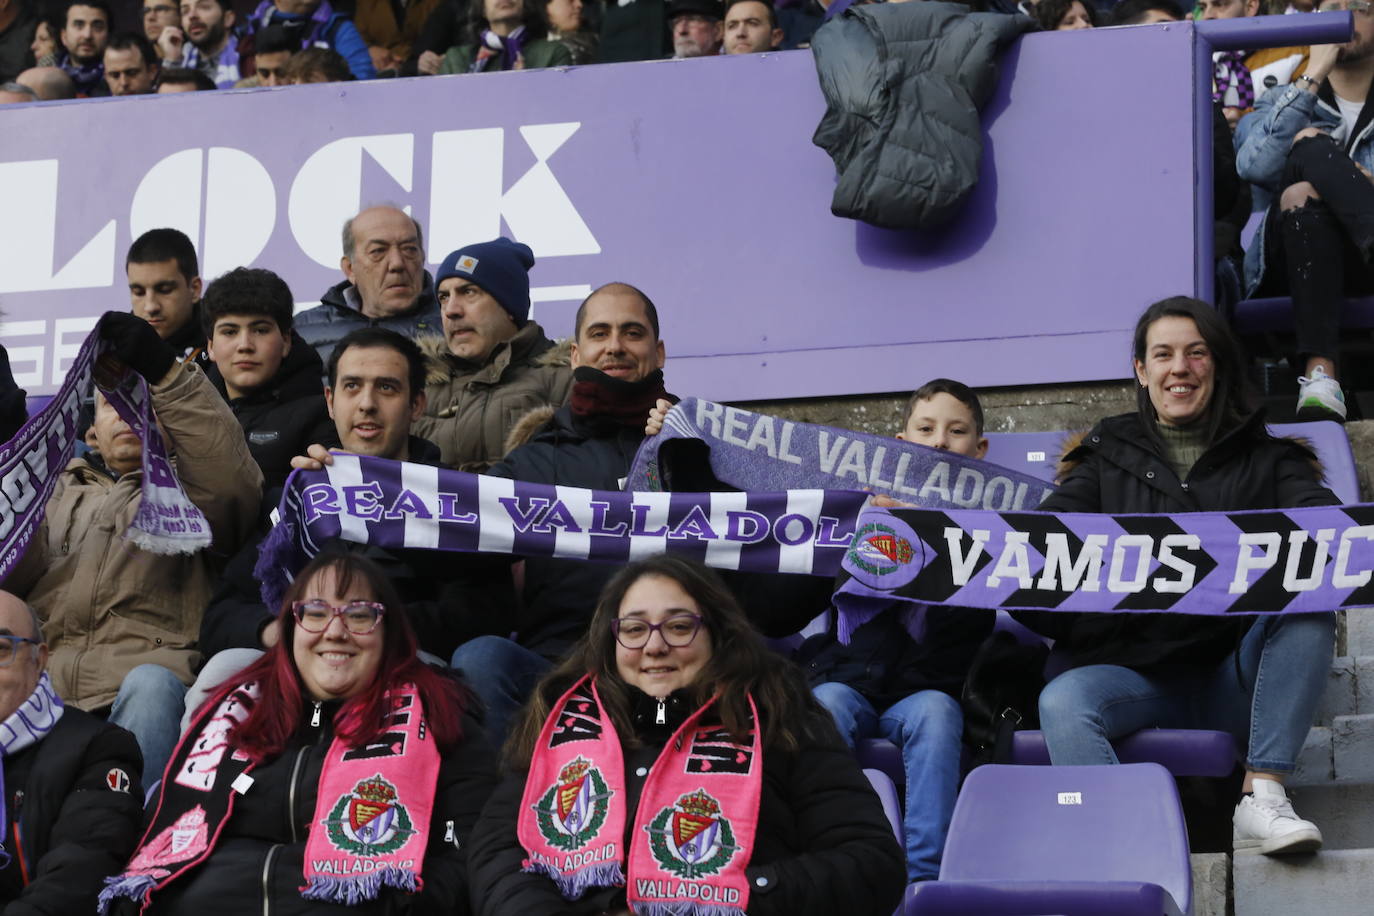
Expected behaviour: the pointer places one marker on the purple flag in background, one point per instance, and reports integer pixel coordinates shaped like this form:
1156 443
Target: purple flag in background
754 451
395 504
31 462
1257 562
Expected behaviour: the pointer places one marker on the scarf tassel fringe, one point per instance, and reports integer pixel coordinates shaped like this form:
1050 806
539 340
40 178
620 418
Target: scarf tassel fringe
353 891
684 909
572 887
136 887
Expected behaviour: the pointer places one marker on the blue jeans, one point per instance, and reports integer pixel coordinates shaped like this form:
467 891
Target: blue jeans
1283 661
149 704
928 727
502 673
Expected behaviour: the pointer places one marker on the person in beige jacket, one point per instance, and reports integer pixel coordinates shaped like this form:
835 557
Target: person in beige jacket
122 622
493 365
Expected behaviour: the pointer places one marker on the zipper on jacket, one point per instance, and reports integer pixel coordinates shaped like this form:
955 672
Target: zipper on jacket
315 718
266 875
661 717
291 792
451 835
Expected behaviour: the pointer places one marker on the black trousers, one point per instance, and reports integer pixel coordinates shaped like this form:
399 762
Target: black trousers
1319 253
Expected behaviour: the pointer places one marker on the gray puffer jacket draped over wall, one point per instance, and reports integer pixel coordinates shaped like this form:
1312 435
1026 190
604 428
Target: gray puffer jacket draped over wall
903 84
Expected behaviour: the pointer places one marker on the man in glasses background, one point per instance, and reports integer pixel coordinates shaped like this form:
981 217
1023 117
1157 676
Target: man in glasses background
78 778
1309 147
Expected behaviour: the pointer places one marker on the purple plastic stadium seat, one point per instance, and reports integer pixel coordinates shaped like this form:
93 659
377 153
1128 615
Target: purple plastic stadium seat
1076 841
1256 316
887 794
1031 453
1329 441
1183 752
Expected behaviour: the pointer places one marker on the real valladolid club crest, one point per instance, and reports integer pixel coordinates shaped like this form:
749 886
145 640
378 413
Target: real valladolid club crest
574 808
368 821
879 550
690 839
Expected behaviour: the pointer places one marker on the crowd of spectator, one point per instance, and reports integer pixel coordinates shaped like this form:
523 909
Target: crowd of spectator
449 370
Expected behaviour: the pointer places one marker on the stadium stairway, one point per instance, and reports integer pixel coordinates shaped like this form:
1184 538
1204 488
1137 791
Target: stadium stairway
1334 787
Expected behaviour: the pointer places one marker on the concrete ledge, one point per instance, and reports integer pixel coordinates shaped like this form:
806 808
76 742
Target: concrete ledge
1332 883
1341 811
1339 698
1364 685
1211 883
1316 763
1359 629
1352 748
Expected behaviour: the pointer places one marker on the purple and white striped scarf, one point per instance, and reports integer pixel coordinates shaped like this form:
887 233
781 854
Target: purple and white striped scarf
31 463
401 505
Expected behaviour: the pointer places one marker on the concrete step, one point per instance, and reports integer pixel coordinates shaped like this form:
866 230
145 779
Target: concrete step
1329 883
1341 752
1211 883
1359 632
1341 696
1343 812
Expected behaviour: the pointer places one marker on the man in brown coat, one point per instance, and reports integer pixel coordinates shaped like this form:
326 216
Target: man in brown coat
122 622
494 365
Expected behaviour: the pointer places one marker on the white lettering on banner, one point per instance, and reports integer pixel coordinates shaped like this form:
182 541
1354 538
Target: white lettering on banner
28 235
28 362
1247 560
229 204
468 166
240 205
328 189
1129 569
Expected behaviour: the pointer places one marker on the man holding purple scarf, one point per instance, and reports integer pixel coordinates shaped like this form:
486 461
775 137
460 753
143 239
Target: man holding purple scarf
121 620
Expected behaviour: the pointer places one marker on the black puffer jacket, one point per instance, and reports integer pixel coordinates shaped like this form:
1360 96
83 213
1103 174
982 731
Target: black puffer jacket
77 802
1116 469
333 319
256 865
903 84
885 664
286 415
823 846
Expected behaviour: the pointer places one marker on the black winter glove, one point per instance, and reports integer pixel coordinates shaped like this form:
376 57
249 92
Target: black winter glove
134 343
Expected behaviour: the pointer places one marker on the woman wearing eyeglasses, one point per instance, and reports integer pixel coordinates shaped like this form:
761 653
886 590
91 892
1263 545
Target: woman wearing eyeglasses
337 773
672 764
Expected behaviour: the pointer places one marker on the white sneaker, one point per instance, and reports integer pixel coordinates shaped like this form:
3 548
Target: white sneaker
1320 397
1265 823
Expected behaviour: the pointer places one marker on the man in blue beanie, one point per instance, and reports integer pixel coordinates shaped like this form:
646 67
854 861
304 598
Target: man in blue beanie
493 364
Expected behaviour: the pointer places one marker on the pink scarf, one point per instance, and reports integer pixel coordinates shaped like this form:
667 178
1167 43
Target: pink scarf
699 811
372 813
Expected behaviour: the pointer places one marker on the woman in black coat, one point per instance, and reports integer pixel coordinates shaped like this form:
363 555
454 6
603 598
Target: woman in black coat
650 725
1192 445
336 774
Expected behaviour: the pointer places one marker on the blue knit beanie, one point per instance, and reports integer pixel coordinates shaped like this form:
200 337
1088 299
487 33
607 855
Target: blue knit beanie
501 267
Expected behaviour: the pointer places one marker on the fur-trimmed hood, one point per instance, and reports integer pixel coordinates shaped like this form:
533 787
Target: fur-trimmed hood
527 427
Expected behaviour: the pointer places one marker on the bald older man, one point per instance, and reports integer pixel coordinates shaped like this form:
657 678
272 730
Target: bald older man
385 283
48 83
78 778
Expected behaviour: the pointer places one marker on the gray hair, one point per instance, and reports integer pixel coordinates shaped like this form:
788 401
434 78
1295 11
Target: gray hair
350 243
35 621
19 89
